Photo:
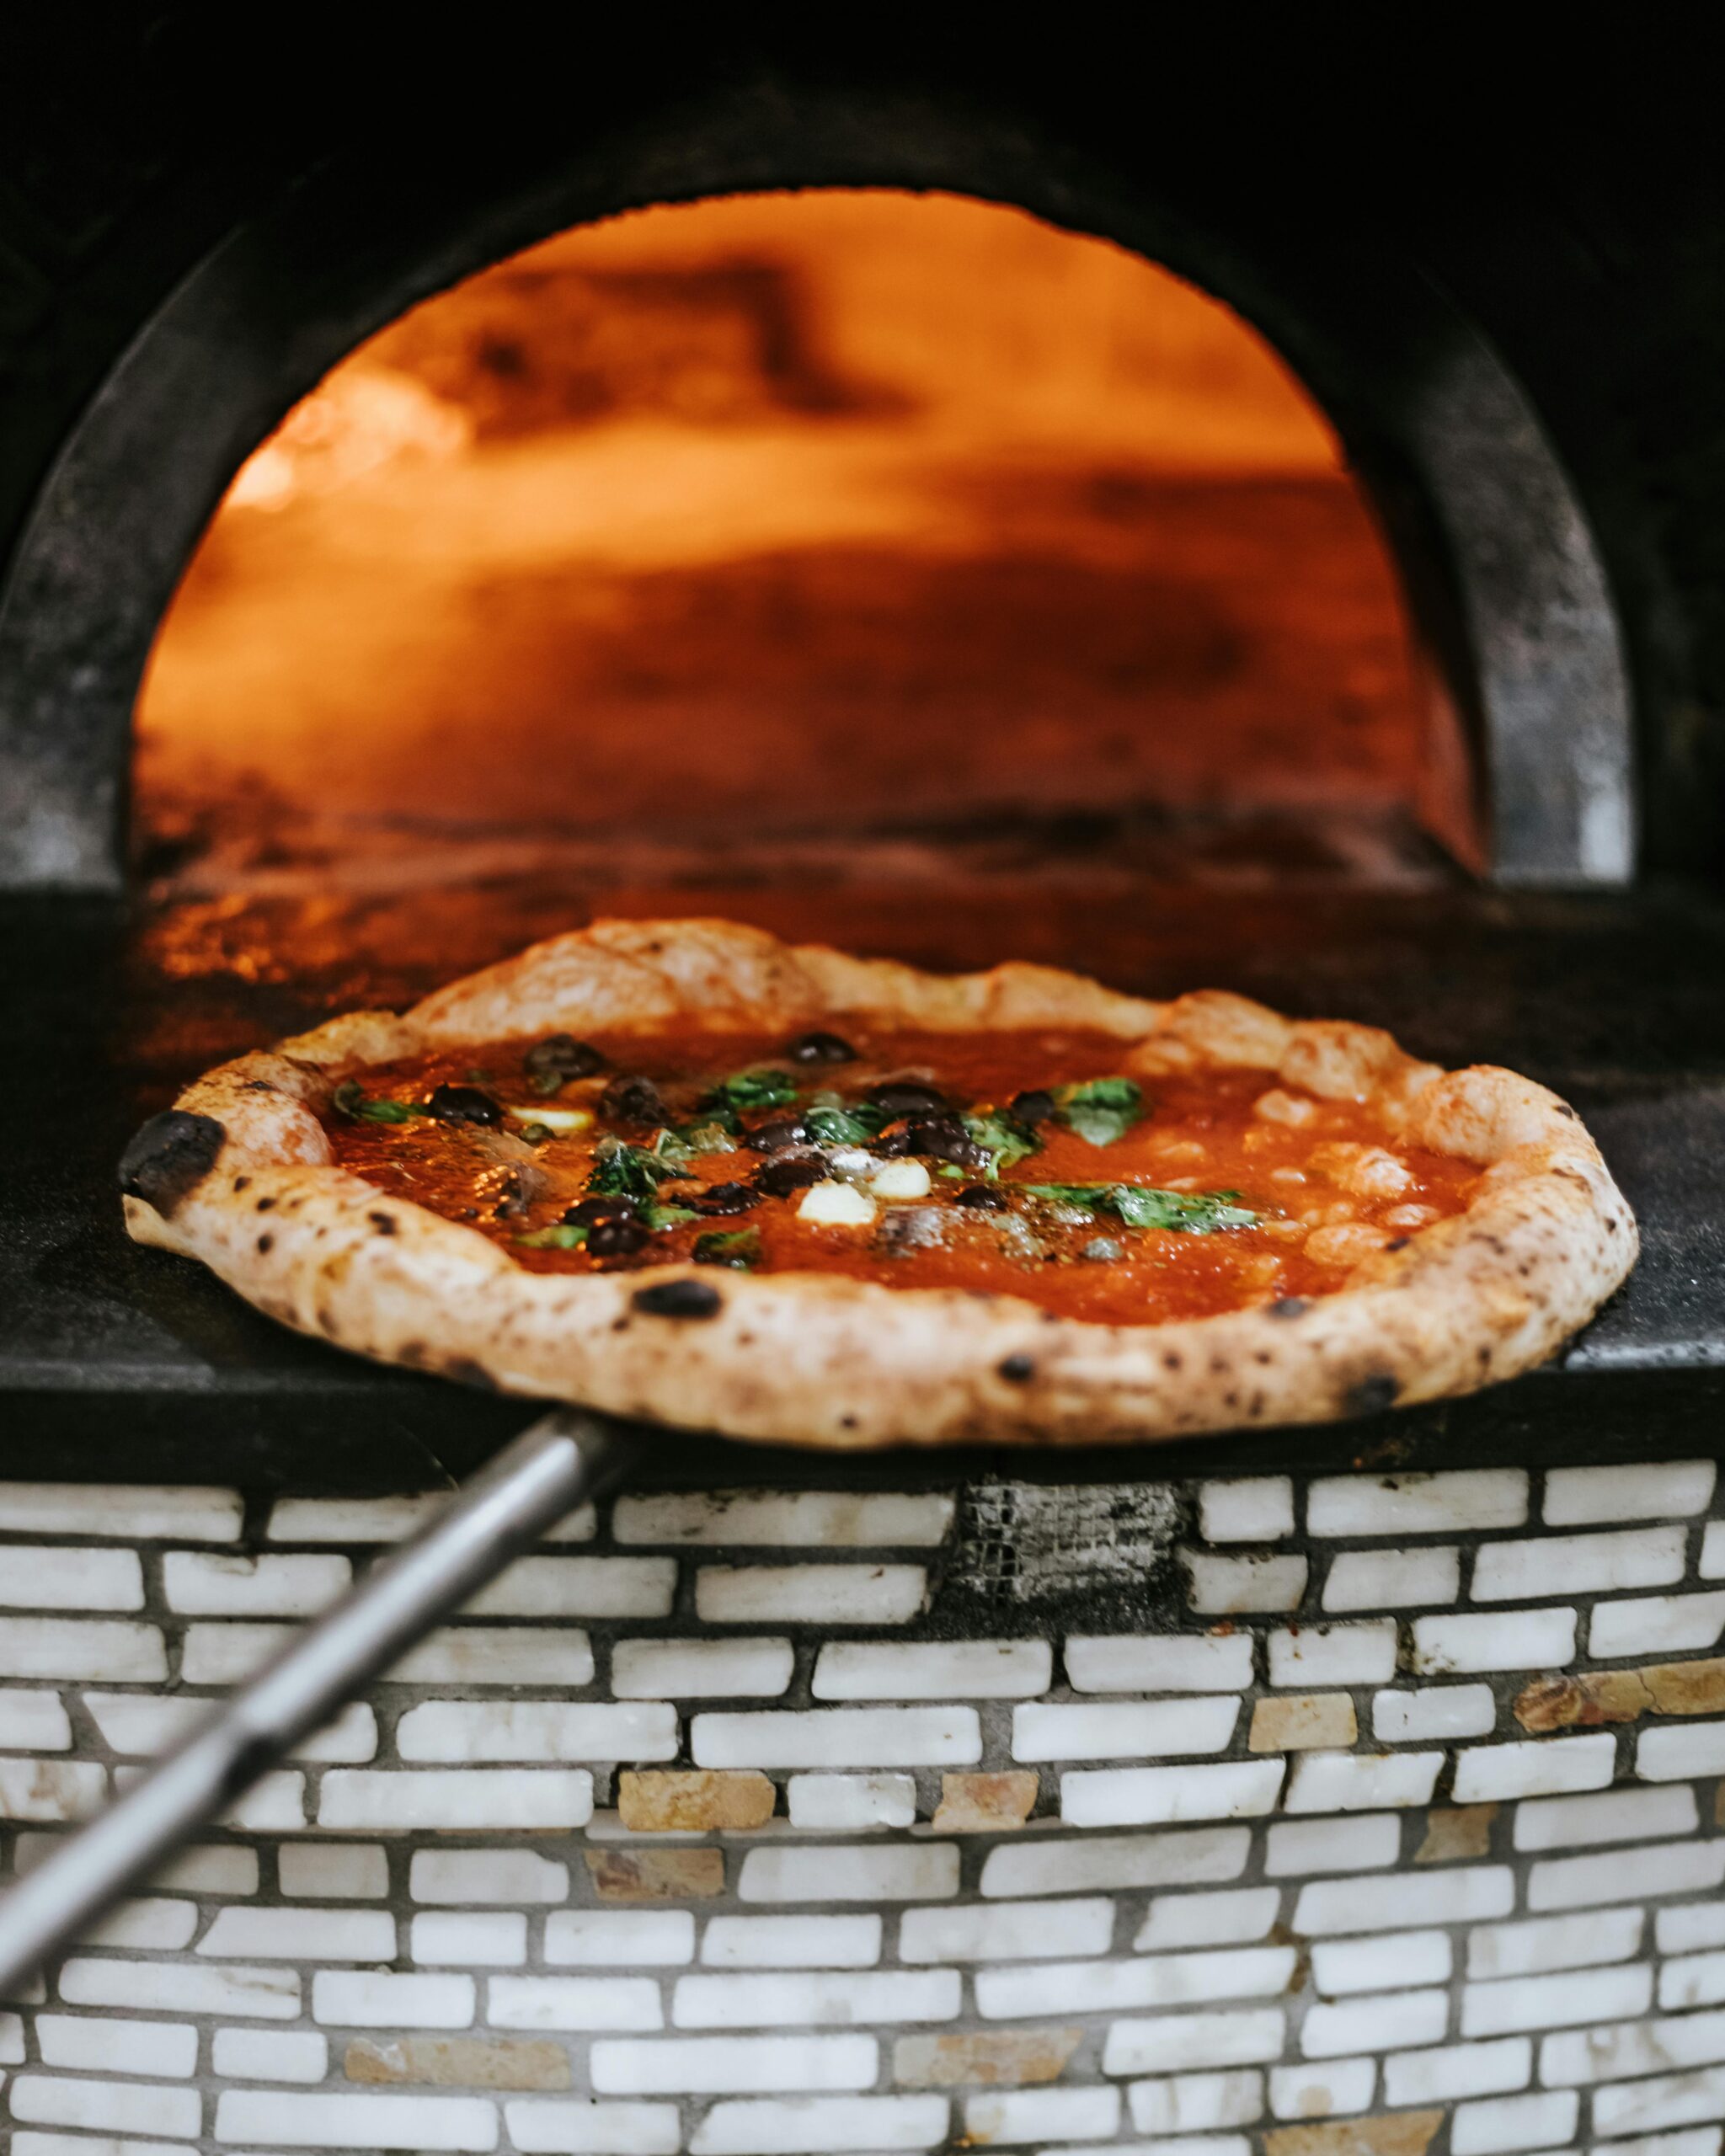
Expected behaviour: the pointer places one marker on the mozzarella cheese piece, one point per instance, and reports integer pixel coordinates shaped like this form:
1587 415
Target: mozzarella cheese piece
554 1118
900 1179
836 1205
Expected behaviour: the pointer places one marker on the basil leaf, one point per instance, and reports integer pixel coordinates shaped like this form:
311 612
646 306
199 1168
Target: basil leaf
564 1236
753 1089
1193 1212
624 1170
739 1248
1002 1136
659 1217
350 1099
1101 1109
846 1126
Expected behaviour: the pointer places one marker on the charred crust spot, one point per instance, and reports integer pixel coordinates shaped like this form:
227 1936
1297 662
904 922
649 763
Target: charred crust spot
847 1422
242 1182
384 1223
412 1353
257 1085
1399 1242
1372 1396
619 1325
169 1157
266 1243
1015 1370
265 1204
1172 1361
686 1298
466 1371
1565 1109
1288 1306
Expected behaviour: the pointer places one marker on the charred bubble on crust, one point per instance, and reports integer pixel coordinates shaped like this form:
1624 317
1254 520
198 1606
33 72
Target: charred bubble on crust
464 1104
817 1046
1016 1369
688 1298
1372 1396
168 1158
385 1223
562 1057
634 1099
1288 1306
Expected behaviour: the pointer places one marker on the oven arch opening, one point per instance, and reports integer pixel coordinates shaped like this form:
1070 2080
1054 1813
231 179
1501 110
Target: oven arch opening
1491 548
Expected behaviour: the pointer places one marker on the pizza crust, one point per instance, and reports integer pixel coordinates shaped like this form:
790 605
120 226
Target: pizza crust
241 1175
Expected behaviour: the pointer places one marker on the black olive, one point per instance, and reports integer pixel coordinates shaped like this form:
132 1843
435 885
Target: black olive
616 1238
775 1133
562 1057
790 1171
1032 1108
820 1048
591 1210
980 1199
464 1104
632 1100
944 1138
723 1197
904 1096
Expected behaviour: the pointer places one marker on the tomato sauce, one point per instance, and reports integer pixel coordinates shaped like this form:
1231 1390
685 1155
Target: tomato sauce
1324 1183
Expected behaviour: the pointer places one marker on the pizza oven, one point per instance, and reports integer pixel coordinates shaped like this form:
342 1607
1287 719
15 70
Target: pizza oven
1240 514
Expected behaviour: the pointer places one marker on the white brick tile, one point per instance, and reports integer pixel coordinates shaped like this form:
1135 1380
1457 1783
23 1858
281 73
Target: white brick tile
1177 2042
33 1721
1357 1843
1466 1895
387 1519
1453 2070
1542 1767
1436 1710
933 1669
1417 1504
821 2127
1019 2114
109 1650
212 1584
701 1669
1547 1943
809 1594
285 1935
578 2127
138 1725
1223 1587
847 1803
607 2002
217 1868
1133 1797
1390 2020
1152 1980
11 2039
387 1998
1100 1863
1712 1558
1665 1755
536 1730
473 1939
1381 1962
1601 1994
275 1803
153 1921
822 1942
54 1577
1258 1510
1008 1931
1362 1781
805 1998
1196 2103
839 1736
121 2107
1626 1875
335 1871
171 1987
307 2118
1393 1579
1682 1930
1235 1919
1697 2141
224 1654
580 1587
925 1871
58 1790
1576 1497
1131 1662
1692 1980
1323 2088
627 1939
1465 1643
120 1511
1618 1815
1313 1657
486 1876
1629 2048
1122 1729
1656 1624
1671 2100
811 1520
479 1800
1578 1563
722 2066
101 2044
498 1654
1510 2122
271 2055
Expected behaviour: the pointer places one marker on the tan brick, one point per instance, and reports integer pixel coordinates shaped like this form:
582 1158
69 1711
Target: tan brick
974 1804
1585 1700
1393 2133
655 1874
1687 1687
1466 1831
1000 2058
1304 1721
657 1802
459 2062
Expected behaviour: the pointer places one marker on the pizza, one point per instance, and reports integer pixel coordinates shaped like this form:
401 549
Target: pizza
681 1171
